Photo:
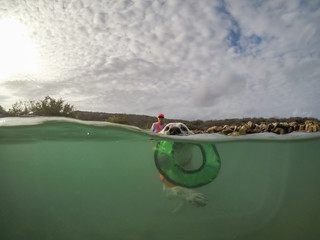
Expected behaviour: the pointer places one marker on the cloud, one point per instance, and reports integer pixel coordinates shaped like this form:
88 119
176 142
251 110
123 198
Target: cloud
188 59
224 85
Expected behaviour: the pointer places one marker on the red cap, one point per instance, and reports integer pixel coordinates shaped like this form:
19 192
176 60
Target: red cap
160 115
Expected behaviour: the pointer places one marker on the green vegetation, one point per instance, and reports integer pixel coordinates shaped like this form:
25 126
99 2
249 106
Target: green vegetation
46 107
118 119
2 110
141 121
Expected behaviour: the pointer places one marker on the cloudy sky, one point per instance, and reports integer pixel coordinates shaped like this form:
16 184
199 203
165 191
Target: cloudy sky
188 59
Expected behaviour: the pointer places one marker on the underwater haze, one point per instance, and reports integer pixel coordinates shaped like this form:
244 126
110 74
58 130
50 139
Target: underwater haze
75 180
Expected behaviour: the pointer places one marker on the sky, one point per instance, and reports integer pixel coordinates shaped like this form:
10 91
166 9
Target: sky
187 59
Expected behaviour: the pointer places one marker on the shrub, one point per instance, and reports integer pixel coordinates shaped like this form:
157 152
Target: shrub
118 119
2 110
46 107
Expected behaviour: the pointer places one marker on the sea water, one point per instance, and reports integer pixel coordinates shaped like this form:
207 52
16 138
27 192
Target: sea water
66 179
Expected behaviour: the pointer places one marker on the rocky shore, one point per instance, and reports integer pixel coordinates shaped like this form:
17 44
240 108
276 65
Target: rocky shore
275 127
232 127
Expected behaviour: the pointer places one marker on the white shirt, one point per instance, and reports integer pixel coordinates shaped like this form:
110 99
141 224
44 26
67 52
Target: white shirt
154 127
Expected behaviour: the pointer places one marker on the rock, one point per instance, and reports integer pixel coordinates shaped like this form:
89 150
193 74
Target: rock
301 128
243 130
290 130
279 131
214 129
269 127
284 126
210 129
275 127
227 129
311 126
197 131
265 127
250 125
294 126
234 133
257 128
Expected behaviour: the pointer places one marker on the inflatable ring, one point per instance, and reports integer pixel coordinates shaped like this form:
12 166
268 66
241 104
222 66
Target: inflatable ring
175 174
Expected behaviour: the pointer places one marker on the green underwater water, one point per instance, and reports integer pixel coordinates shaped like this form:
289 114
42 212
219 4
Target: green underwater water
62 179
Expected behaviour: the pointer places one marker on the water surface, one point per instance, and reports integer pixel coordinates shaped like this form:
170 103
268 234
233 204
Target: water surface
63 179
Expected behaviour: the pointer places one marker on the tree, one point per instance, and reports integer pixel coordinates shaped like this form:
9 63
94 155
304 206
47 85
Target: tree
2 111
17 108
46 107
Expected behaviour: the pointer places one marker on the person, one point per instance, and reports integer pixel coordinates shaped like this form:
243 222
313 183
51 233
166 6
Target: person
158 126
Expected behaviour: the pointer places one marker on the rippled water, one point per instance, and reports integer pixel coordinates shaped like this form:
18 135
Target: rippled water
62 179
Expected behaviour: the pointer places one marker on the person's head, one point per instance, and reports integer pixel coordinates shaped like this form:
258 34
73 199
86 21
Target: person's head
161 118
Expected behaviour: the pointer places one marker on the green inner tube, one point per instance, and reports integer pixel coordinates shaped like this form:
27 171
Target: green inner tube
174 173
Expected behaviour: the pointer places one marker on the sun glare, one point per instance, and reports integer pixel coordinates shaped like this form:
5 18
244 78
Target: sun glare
17 51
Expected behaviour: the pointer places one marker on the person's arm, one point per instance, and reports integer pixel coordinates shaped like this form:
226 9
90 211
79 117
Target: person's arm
152 128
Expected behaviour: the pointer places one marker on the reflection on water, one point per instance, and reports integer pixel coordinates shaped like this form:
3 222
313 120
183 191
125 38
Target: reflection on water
62 180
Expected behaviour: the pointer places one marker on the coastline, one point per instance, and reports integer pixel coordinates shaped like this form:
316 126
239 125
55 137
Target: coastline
232 127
